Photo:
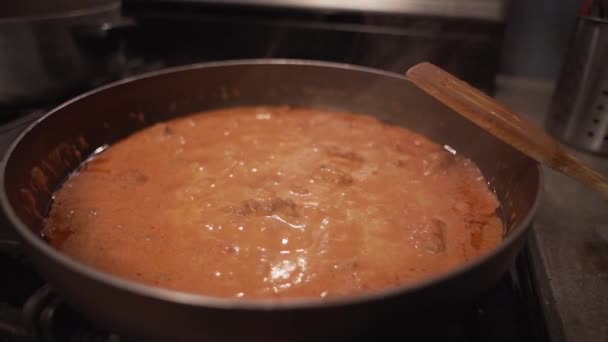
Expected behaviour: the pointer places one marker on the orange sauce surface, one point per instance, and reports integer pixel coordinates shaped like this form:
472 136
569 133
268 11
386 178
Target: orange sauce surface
273 202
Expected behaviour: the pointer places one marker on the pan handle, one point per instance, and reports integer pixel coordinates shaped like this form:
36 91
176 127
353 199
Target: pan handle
100 38
104 29
103 44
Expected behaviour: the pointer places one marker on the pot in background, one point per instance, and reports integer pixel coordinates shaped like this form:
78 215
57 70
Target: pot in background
51 51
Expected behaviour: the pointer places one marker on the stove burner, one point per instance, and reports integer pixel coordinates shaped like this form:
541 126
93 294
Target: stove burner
45 317
31 311
54 321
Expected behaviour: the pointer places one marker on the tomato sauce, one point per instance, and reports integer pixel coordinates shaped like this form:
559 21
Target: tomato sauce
275 202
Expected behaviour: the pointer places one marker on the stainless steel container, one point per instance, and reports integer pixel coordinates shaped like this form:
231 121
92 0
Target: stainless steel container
50 54
578 114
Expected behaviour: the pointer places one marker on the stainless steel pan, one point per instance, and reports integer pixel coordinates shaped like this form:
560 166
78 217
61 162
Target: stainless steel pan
53 147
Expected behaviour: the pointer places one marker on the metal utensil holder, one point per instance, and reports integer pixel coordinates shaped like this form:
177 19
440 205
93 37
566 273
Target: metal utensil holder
578 114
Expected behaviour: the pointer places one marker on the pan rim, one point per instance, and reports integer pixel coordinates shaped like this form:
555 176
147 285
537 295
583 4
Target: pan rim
198 300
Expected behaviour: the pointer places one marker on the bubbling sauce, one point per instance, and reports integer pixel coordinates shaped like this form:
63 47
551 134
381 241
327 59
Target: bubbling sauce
273 202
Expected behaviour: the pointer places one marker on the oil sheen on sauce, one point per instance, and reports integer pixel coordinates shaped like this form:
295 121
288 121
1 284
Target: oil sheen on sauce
273 202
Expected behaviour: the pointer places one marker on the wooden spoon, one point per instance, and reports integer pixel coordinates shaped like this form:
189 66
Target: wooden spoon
503 123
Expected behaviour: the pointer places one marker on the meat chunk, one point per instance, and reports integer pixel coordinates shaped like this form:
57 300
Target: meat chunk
430 236
131 177
337 152
333 175
439 162
268 207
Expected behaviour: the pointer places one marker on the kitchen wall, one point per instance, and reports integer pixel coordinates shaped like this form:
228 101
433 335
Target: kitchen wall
536 37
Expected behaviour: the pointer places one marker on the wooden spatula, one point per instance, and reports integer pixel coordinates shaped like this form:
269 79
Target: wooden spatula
503 123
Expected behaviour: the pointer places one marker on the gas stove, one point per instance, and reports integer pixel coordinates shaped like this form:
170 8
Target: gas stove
539 298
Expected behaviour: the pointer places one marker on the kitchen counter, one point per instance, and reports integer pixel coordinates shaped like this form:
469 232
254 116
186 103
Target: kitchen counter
569 239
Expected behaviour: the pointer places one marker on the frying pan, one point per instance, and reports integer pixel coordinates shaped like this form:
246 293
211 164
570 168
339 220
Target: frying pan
48 151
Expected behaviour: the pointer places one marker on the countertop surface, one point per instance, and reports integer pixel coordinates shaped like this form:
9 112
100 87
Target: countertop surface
570 232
